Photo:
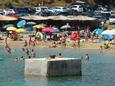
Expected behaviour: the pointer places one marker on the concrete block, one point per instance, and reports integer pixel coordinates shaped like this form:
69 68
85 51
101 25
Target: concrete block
53 67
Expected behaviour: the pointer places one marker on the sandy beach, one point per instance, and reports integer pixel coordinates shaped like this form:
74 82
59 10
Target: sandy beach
48 44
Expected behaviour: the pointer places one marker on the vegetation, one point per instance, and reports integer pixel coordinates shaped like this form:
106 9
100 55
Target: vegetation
6 3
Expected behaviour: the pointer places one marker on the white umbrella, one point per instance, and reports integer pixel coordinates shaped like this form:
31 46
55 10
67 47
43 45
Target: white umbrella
106 32
65 26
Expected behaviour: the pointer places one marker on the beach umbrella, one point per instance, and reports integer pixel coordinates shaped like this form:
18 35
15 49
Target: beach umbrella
47 29
65 26
31 23
40 35
106 32
8 25
11 28
98 31
38 26
21 30
55 30
21 23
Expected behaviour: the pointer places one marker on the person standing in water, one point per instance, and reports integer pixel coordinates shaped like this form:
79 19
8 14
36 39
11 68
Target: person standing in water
33 54
101 49
7 46
87 56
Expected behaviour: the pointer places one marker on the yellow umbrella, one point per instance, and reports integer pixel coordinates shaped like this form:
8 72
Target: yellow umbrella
11 28
38 26
21 30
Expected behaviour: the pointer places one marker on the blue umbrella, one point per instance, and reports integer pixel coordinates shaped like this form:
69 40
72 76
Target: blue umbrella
8 25
21 23
55 30
31 23
98 31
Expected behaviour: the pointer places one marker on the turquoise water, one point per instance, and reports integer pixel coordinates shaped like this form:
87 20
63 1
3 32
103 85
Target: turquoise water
98 71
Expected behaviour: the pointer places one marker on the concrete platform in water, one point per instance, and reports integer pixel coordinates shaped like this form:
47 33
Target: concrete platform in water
53 67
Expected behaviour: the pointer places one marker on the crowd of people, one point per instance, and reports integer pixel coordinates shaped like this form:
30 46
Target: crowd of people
30 53
74 39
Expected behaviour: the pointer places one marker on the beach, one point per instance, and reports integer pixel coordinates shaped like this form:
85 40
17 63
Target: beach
48 44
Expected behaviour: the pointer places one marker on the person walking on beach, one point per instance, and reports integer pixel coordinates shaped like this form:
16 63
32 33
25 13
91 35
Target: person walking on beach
33 54
30 39
25 43
78 36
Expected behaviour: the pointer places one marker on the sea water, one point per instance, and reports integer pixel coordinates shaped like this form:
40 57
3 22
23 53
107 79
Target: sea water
99 70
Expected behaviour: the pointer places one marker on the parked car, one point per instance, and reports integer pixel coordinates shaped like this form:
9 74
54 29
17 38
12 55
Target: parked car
9 12
40 8
45 13
112 12
22 11
65 13
112 19
1 12
78 8
90 14
59 9
100 18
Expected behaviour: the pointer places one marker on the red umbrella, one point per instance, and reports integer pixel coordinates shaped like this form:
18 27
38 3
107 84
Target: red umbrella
47 29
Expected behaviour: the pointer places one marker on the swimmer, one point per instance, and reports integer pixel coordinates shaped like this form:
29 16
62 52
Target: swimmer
27 51
60 55
33 54
21 58
23 49
17 59
29 57
86 56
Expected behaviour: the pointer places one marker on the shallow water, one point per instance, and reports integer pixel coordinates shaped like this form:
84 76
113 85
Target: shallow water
98 71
